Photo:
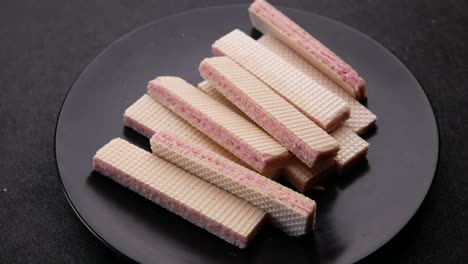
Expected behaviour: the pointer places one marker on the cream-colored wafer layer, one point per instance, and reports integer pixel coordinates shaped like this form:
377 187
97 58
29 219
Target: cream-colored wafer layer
353 148
269 110
205 205
360 120
242 138
290 211
147 116
206 87
269 20
315 101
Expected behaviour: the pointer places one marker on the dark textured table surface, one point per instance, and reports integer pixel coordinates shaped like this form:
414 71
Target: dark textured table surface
44 45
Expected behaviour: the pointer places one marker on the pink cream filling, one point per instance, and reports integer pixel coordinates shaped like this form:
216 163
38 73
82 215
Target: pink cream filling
238 173
255 112
171 204
149 132
209 127
278 19
338 120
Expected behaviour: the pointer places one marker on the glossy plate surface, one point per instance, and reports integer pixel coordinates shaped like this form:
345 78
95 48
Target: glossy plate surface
357 215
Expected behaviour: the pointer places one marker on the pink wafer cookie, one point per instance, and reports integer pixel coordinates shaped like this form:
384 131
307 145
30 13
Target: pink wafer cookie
269 20
288 210
269 110
312 99
147 116
360 120
205 205
352 149
245 140
295 171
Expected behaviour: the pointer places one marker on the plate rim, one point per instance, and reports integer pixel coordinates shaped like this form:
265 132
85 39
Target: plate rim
174 15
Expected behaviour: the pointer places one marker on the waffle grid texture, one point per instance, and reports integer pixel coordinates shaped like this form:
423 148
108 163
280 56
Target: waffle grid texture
360 120
315 101
182 193
290 211
268 110
247 141
352 148
147 116
295 171
209 90
269 20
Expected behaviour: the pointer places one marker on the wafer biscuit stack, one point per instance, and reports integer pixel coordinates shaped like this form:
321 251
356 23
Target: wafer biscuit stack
147 116
205 205
295 171
245 140
261 100
269 110
316 102
277 116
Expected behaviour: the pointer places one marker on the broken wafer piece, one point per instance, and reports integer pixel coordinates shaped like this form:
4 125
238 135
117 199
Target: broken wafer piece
247 141
269 20
360 119
288 210
205 205
322 106
147 116
269 110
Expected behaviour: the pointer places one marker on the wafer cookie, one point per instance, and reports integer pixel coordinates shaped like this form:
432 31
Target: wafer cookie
247 141
269 110
295 171
269 20
352 149
288 210
147 116
205 205
360 119
315 101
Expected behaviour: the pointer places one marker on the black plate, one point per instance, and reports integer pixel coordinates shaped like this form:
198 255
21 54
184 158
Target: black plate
357 215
